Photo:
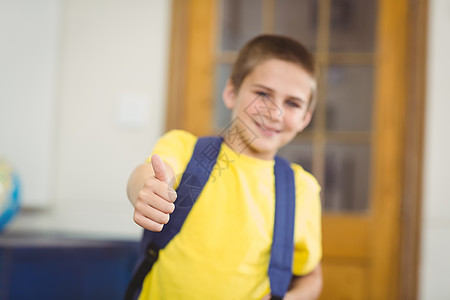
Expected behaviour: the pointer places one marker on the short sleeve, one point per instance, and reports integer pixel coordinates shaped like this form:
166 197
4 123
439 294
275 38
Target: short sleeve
175 148
308 223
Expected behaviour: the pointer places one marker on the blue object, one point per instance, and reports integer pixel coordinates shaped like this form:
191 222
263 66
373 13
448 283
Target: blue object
9 194
280 266
37 266
192 182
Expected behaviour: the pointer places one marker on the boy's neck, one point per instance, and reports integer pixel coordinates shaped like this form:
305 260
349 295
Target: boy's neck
239 146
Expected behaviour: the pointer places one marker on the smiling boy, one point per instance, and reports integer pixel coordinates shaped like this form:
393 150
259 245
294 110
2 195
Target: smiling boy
286 89
223 248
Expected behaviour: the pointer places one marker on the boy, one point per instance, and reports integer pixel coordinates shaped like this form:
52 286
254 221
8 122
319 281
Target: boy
223 248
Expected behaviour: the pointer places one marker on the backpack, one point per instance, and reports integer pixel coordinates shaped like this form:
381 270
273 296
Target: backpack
194 178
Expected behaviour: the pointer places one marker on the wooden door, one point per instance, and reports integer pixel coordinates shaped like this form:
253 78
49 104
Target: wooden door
356 144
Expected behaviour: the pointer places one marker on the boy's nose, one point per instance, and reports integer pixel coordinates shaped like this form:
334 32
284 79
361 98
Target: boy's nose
277 116
270 110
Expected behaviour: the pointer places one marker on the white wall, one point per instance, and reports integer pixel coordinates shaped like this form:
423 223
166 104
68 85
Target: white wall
112 71
435 256
29 51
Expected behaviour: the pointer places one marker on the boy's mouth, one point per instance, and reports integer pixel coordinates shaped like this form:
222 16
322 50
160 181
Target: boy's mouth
266 130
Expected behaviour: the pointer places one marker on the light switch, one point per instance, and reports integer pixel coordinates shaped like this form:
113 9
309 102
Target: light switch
133 110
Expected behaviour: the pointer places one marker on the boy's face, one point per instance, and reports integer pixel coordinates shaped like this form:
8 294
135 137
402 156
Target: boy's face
270 107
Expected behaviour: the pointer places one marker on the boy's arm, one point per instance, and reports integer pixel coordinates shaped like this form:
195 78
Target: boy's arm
150 193
307 286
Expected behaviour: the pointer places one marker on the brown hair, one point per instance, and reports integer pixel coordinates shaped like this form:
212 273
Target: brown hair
265 47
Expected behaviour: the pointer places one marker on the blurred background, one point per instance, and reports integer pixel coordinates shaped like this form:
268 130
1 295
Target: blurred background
87 87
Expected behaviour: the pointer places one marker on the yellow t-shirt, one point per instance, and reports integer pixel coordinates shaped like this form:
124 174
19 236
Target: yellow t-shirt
223 248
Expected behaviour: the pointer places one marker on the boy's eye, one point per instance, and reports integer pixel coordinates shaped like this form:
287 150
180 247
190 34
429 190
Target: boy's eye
262 94
293 103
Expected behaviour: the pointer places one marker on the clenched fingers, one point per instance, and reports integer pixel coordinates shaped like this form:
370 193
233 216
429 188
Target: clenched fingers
154 204
146 222
160 188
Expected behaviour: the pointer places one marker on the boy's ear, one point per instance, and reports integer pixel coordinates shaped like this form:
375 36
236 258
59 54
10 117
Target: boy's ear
229 95
306 120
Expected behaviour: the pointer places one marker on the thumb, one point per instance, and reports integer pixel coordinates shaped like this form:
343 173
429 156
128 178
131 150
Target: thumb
159 168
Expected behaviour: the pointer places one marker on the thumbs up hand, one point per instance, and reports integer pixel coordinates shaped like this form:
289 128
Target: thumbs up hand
154 202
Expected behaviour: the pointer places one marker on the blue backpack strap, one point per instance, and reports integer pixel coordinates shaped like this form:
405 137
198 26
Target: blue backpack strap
192 182
280 266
